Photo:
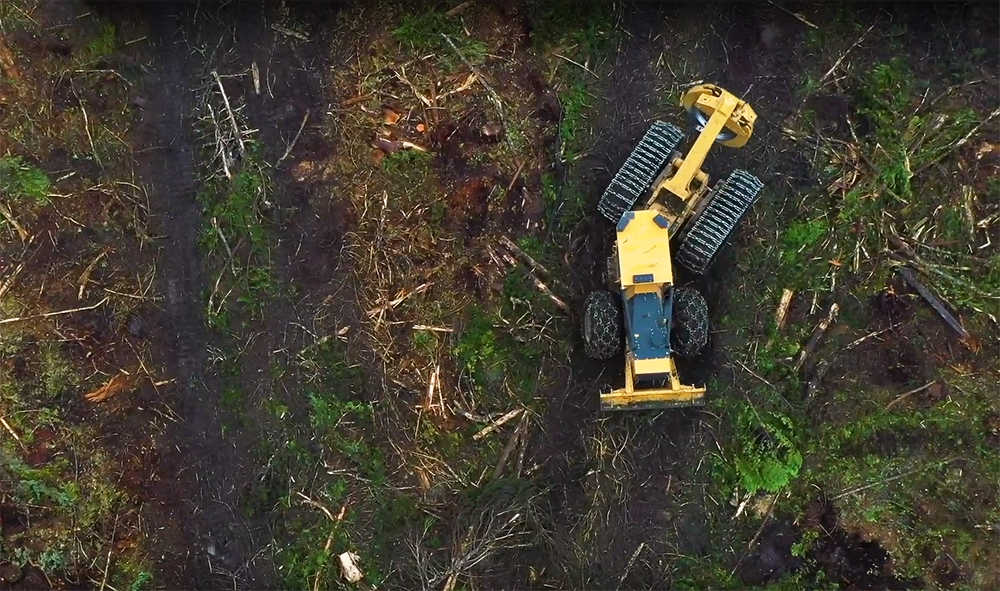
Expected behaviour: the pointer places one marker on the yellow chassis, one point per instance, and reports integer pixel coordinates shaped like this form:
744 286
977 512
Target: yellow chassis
723 113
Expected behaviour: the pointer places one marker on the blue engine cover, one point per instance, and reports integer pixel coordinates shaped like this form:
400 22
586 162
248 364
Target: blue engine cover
647 321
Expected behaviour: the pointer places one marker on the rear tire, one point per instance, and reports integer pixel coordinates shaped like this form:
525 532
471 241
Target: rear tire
689 325
602 325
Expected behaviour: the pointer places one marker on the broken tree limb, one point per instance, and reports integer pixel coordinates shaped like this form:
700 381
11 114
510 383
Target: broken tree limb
935 302
545 289
294 141
119 384
535 265
817 334
782 311
516 436
85 276
485 431
432 328
6 213
906 395
9 282
349 567
229 111
51 314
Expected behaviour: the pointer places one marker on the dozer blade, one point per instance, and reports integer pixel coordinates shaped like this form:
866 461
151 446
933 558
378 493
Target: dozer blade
652 399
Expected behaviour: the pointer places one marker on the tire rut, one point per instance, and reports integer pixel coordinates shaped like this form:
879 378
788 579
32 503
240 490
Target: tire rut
184 338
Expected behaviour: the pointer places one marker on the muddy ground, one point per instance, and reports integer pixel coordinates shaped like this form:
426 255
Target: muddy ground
324 318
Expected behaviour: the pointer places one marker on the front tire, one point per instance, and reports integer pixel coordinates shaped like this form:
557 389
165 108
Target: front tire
602 325
689 330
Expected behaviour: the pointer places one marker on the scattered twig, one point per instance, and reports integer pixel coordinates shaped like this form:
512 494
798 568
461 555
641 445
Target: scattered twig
751 372
85 276
229 111
469 81
118 384
958 144
289 32
51 314
577 64
843 55
401 74
11 430
870 335
355 100
319 571
782 311
497 424
432 328
893 478
399 299
906 395
13 222
9 282
801 18
458 9
535 265
817 334
522 425
934 301
493 93
294 140
540 285
631 562
318 505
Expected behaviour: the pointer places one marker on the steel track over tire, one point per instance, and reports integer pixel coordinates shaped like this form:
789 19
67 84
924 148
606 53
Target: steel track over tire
710 231
689 325
641 168
602 325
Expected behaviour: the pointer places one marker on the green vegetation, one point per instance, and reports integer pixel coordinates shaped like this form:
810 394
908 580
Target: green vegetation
19 180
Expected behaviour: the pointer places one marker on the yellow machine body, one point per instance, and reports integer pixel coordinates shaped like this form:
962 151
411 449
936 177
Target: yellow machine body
643 241
645 269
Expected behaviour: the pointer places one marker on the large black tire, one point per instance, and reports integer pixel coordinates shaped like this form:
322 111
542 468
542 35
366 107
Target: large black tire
602 325
689 324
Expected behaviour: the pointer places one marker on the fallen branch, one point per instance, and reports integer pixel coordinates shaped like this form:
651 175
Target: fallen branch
255 73
399 300
432 328
51 314
906 395
516 436
229 111
119 384
294 141
545 289
432 380
9 282
6 213
535 265
493 93
85 276
11 431
935 302
497 424
801 18
843 55
289 32
958 144
817 334
893 478
782 311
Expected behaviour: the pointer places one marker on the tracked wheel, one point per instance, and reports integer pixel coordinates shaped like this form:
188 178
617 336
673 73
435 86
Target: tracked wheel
712 228
689 322
635 177
602 325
